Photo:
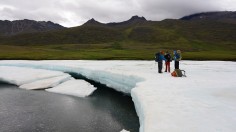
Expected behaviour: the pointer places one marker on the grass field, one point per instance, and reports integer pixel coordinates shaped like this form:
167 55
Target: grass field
115 51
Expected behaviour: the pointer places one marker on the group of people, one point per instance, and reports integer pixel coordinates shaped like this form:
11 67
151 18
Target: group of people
167 57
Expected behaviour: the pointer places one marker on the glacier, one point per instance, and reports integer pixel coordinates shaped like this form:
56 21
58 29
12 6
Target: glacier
54 81
46 83
205 100
79 88
20 76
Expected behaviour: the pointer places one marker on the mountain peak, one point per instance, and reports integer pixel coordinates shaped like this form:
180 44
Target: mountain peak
133 20
92 22
136 17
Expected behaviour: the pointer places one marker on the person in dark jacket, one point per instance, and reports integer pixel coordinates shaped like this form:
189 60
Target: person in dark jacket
168 60
159 57
177 58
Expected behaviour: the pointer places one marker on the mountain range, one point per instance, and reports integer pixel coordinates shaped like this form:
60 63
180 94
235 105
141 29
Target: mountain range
8 28
193 33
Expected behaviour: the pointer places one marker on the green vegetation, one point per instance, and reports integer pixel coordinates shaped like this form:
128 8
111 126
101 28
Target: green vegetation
198 40
124 51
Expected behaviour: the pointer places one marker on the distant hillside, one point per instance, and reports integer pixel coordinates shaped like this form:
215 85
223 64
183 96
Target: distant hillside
201 36
26 26
135 20
136 29
76 35
224 16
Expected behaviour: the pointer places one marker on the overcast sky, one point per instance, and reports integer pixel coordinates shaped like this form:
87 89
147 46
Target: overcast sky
71 13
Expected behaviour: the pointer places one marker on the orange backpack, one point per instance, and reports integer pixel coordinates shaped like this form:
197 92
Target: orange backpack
174 74
178 73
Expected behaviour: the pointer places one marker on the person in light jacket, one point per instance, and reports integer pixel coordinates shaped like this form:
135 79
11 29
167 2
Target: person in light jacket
177 58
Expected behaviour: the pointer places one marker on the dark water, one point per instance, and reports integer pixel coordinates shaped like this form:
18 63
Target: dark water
39 111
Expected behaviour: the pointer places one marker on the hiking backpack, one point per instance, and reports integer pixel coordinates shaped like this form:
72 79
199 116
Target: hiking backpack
178 73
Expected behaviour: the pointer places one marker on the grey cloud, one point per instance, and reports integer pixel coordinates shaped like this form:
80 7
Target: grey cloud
31 10
75 12
105 11
176 8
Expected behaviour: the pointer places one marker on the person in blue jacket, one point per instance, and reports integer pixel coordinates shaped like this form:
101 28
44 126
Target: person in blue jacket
159 57
177 58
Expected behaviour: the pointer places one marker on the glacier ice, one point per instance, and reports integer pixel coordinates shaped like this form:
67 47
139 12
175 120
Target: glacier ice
124 130
203 101
21 75
46 83
79 88
32 79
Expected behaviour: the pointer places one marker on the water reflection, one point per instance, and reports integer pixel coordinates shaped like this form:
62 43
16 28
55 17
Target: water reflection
104 111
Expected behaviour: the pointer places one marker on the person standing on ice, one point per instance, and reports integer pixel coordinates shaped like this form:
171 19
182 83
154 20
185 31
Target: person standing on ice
168 60
159 57
177 58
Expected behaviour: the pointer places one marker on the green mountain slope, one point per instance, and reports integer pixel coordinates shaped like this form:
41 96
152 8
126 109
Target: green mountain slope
137 38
